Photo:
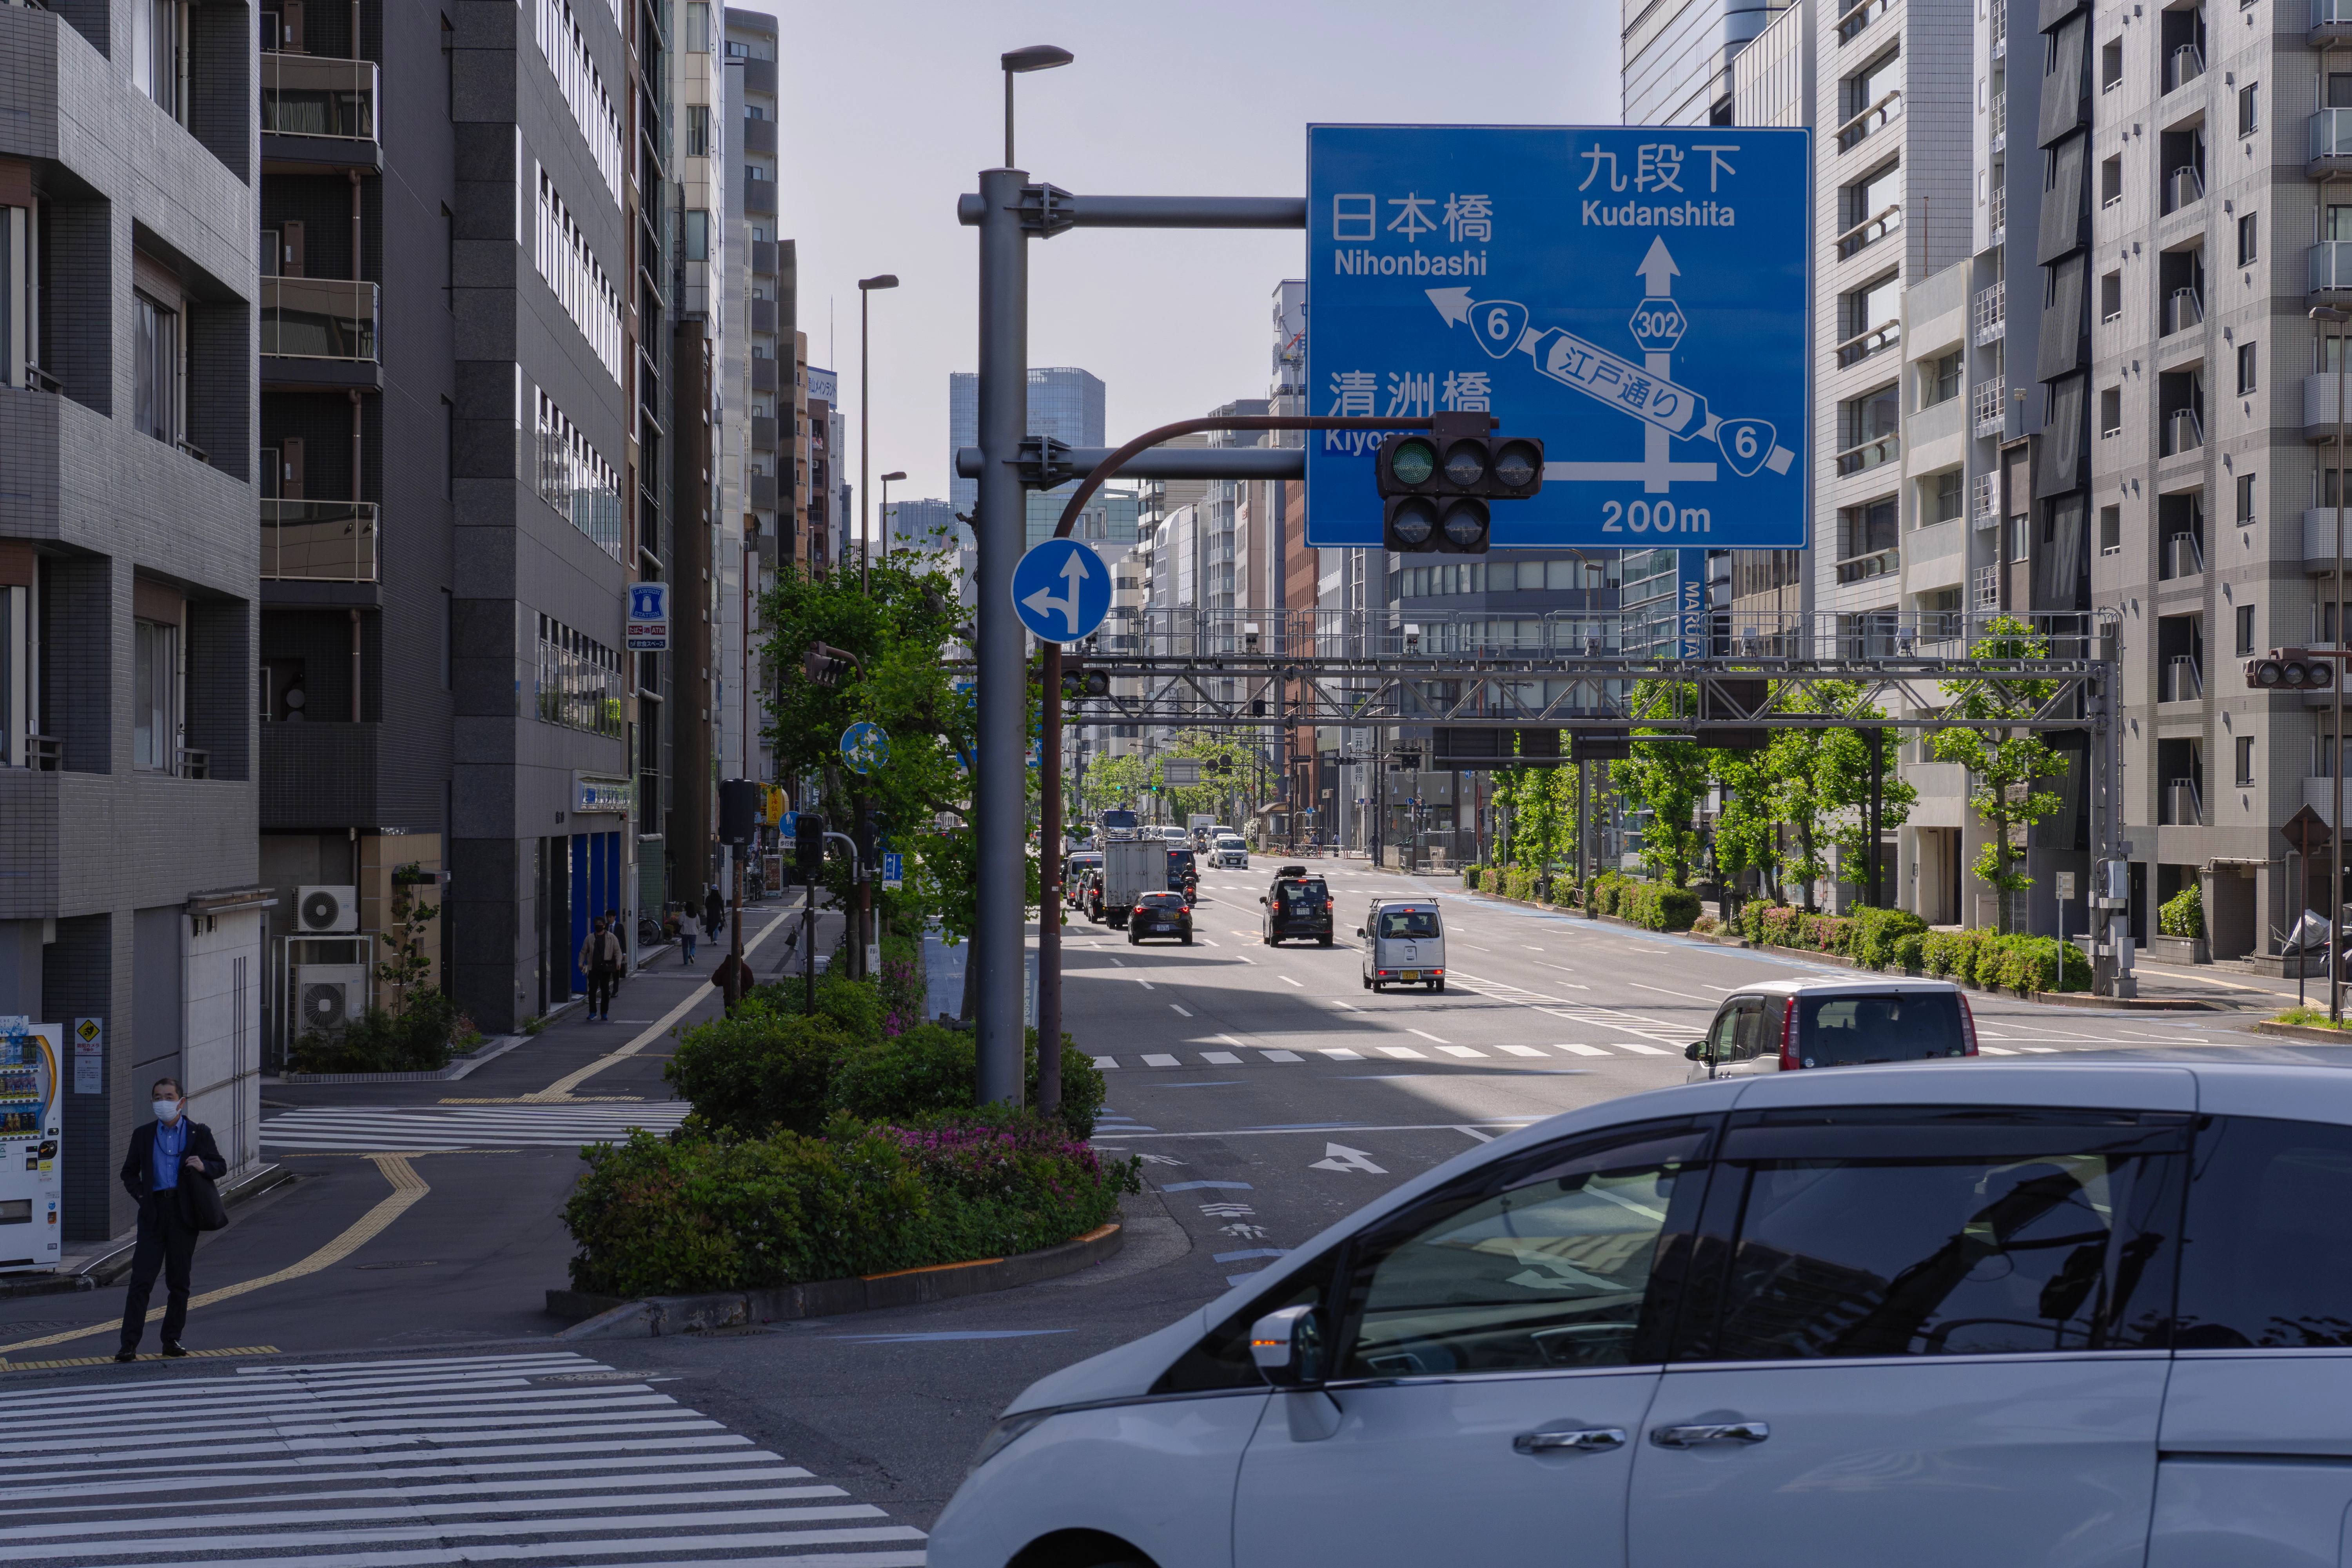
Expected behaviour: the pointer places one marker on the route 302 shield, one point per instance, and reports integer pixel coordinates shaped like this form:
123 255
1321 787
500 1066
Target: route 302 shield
1638 297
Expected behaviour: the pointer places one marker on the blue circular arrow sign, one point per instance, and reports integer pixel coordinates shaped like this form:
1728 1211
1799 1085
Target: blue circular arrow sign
864 747
1061 590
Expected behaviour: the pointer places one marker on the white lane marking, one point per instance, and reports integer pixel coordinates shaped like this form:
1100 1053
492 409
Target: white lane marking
1521 1050
1341 1053
1287 980
1458 1050
1221 1059
1473 1133
1664 992
1105 1061
1349 1006
1282 1055
1400 1051
1640 1050
2042 1050
1530 947
1117 960
1159 1061
1425 1035
1994 1052
1245 958
1233 1040
1583 1050
1182 1011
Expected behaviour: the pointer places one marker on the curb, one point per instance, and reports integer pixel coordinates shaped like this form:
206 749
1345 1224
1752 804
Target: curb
611 1318
112 1264
2305 1032
489 1051
2130 1003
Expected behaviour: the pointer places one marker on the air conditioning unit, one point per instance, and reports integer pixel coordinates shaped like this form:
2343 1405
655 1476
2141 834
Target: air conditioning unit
324 911
328 996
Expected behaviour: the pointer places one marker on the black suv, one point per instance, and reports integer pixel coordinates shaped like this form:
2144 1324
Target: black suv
1296 905
1160 914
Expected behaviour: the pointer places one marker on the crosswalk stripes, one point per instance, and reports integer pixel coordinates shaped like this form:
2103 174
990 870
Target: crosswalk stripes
548 1459
1345 1054
423 1130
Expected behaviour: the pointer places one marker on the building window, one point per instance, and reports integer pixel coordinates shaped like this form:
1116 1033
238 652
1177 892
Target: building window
2111 411
2111 295
2250 108
698 130
2249 239
2246 629
154 714
2111 181
698 28
2245 500
578 680
155 400
159 54
2111 530
1871 208
1950 490
1869 430
2111 65
698 235
1871 318
1943 379
2019 537
2245 759
1867 529
2245 368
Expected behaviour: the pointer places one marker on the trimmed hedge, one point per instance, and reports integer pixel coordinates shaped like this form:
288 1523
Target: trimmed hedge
656 1216
2183 914
2020 963
1471 875
1656 907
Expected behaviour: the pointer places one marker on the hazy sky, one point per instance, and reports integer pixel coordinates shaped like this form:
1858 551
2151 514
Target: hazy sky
890 107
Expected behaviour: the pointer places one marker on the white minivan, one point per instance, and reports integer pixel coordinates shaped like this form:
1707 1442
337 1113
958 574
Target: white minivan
1777 1025
1404 944
2046 1312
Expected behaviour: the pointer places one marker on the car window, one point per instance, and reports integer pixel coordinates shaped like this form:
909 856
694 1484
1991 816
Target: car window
2269 1263
1842 1028
1750 1040
1722 1040
1877 1232
1553 1271
1409 923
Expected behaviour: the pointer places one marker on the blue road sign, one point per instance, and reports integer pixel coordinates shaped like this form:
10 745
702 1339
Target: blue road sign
1061 589
894 869
1638 297
648 627
864 747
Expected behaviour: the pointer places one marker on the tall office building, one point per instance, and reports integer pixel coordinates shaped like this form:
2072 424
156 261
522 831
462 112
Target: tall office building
129 560
1679 56
1065 402
826 519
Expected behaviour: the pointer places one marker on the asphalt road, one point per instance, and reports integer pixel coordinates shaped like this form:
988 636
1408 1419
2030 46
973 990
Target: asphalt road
1268 1093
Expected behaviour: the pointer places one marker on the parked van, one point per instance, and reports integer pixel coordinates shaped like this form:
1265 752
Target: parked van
1404 944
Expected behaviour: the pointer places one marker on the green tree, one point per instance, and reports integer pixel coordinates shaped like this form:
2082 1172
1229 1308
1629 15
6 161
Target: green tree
1668 779
404 971
1747 832
2004 764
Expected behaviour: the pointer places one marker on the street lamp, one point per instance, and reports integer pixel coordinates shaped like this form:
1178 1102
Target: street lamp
1036 57
866 287
886 512
2328 313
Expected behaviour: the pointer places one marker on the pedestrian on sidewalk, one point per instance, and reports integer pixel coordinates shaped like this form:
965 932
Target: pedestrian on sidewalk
689 927
161 1152
600 960
714 915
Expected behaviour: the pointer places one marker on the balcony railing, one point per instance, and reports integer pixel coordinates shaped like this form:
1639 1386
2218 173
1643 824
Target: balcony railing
1858 14
1997 214
1990 312
2183 65
318 540
307 95
1990 404
1858 129
2330 19
2328 265
1870 454
2183 186
2180 680
1870 230
2183 307
2183 432
1886 563
1987 588
1876 341
2182 806
2331 140
2184 555
1984 501
317 318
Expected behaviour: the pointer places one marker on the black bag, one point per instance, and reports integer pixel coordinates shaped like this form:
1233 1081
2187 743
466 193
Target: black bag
200 1202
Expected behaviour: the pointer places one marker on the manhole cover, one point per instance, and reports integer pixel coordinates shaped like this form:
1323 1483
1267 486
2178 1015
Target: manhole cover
411 1263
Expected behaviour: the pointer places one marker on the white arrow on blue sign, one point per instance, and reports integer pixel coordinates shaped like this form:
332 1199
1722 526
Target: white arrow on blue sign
1061 590
865 747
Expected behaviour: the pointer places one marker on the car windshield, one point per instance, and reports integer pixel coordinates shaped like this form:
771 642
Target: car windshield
1409 922
1301 893
1895 1027
1229 844
1163 900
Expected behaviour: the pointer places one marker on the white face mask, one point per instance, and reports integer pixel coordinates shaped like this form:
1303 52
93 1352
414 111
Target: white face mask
167 1110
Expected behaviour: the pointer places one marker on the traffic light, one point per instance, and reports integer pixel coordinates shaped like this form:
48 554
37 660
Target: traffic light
2291 669
739 810
873 835
1436 486
824 666
1079 682
808 845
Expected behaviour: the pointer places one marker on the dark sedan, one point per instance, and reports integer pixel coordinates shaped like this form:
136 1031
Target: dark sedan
1160 915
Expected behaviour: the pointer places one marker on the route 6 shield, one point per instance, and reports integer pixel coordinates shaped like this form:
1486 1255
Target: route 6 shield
1498 323
1746 444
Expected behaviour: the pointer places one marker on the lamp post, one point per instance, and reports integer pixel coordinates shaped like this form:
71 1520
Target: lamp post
2328 313
886 512
1036 57
866 287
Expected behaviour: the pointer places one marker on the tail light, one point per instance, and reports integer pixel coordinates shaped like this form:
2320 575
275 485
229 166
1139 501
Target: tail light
1967 1026
1327 906
1789 1062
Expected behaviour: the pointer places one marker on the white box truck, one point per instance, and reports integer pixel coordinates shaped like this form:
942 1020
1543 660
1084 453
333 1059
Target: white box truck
1131 867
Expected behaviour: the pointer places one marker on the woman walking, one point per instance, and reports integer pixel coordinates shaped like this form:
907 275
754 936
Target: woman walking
689 927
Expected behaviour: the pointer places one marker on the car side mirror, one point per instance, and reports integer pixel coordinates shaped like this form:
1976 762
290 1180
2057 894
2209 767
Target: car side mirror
1695 1051
1261 898
1287 1347
1359 931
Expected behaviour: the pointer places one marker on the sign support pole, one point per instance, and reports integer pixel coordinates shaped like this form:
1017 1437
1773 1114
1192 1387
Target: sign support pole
1049 879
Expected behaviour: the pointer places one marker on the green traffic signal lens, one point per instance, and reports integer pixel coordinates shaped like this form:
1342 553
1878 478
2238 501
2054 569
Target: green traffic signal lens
1465 463
1465 525
1517 464
1412 523
1412 462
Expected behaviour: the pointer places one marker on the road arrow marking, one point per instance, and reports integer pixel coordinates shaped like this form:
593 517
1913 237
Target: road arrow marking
1339 1157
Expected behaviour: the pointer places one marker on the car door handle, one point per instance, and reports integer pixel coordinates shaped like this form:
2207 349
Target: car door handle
1573 1440
1703 1434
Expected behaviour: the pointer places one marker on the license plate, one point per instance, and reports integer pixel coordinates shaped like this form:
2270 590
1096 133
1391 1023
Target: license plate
1413 974
1163 925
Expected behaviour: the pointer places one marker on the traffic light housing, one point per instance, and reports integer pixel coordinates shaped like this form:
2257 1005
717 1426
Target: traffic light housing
2291 669
873 834
824 666
1435 486
1078 681
808 845
739 810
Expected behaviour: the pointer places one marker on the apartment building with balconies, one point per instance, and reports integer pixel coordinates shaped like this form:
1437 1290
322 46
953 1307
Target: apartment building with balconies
130 549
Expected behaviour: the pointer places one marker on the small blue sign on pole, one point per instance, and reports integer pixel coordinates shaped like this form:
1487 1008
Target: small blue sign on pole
864 747
1061 590
894 869
648 627
1637 296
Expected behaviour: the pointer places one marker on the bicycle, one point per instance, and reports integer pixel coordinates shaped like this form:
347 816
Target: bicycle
648 933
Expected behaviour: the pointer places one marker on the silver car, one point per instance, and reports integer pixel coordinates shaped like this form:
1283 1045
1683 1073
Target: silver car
1783 1024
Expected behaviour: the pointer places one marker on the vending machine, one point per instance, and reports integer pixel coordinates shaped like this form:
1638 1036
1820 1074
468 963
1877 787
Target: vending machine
32 1143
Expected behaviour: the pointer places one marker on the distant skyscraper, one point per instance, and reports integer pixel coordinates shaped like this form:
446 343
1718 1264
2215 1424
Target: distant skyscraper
1065 402
1678 54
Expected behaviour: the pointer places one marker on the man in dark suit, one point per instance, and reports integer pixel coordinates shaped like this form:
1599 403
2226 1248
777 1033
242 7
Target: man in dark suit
161 1154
